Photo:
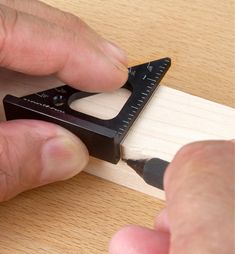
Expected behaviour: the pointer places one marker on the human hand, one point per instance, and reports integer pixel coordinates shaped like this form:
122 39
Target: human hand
200 203
37 39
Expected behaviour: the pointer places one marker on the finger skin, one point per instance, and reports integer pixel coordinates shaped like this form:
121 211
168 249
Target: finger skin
35 153
139 240
161 222
199 214
67 21
35 46
200 193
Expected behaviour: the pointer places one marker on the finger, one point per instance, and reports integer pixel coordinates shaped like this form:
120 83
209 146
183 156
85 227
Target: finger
139 240
34 153
47 48
67 21
56 16
161 222
199 186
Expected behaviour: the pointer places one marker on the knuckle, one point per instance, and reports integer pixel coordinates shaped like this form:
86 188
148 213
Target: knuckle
4 172
3 29
75 24
194 150
71 19
200 160
8 178
205 149
8 20
3 186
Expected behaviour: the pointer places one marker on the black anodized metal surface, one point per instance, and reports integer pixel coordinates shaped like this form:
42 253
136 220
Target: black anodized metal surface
102 137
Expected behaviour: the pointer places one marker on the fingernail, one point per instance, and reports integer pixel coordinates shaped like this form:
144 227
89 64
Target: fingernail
62 158
117 56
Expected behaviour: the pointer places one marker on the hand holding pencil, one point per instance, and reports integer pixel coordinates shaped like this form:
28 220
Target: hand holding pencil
199 215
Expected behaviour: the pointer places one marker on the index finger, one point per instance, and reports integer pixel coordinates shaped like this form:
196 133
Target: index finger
35 46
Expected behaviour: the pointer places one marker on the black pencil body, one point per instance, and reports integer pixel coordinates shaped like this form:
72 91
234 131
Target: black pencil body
152 171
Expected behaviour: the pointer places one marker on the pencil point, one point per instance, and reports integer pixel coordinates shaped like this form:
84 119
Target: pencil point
137 165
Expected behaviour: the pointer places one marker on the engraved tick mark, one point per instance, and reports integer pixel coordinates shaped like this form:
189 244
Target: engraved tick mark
60 90
150 68
134 107
42 95
151 79
121 129
44 105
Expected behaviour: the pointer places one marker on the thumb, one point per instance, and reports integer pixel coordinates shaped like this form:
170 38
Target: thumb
34 153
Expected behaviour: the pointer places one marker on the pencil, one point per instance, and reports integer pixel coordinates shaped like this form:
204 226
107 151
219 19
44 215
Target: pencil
151 170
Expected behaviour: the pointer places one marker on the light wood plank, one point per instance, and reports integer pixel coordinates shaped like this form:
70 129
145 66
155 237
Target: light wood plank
170 120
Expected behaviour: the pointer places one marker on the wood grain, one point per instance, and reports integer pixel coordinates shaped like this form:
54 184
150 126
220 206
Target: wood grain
171 120
80 215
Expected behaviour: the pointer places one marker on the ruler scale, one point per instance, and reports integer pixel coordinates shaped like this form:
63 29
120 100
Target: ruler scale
102 137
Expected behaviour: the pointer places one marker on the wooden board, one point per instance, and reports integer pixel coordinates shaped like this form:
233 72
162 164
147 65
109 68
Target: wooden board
171 120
